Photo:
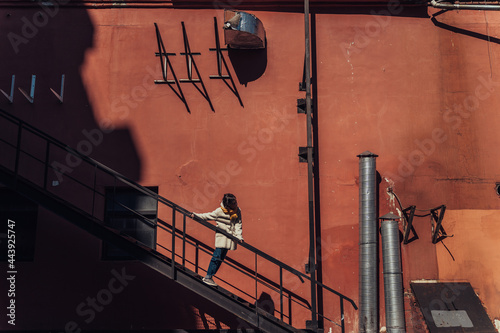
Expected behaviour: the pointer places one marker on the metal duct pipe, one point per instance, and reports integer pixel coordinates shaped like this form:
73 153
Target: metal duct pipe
368 244
448 5
393 276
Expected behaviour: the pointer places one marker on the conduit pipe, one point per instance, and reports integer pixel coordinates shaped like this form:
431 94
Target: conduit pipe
448 5
393 276
310 173
368 244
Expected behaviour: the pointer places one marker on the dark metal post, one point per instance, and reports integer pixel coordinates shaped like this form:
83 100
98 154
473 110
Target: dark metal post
281 293
342 321
256 277
94 190
46 167
197 258
174 273
184 240
310 180
18 148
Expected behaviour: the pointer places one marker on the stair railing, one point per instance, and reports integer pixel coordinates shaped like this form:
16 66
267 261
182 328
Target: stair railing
23 146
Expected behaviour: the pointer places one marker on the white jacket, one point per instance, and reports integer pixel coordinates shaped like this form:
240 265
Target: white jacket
224 222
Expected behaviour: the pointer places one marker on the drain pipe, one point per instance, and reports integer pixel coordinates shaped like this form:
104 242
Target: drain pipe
447 5
393 276
368 244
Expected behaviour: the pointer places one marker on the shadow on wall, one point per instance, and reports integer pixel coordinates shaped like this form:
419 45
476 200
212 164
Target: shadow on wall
50 41
248 64
266 303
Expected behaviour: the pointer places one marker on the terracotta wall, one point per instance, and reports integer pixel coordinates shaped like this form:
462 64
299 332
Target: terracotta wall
419 92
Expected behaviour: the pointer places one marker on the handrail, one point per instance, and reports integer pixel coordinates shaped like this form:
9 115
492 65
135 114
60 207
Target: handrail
176 208
208 249
147 191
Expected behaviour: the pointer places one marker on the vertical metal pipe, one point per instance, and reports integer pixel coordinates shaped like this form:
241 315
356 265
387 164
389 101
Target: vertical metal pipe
368 244
310 179
393 280
316 169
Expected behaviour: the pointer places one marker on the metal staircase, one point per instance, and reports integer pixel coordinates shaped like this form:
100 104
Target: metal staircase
31 160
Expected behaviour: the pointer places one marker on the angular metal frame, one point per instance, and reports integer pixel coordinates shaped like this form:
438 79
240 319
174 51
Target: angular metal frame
222 61
165 66
190 64
438 232
408 214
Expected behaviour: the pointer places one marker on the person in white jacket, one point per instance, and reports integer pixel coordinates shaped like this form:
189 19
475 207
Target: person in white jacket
228 218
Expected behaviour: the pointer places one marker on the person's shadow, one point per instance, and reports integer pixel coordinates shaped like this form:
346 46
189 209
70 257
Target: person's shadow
266 303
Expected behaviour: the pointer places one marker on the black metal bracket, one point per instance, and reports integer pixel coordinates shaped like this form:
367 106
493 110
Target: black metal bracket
222 61
303 154
438 232
301 105
302 84
190 64
408 214
165 66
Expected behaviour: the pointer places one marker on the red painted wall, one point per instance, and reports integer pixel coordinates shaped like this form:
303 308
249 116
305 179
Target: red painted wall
419 93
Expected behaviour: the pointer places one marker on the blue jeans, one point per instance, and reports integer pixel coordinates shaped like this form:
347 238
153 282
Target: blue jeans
216 261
